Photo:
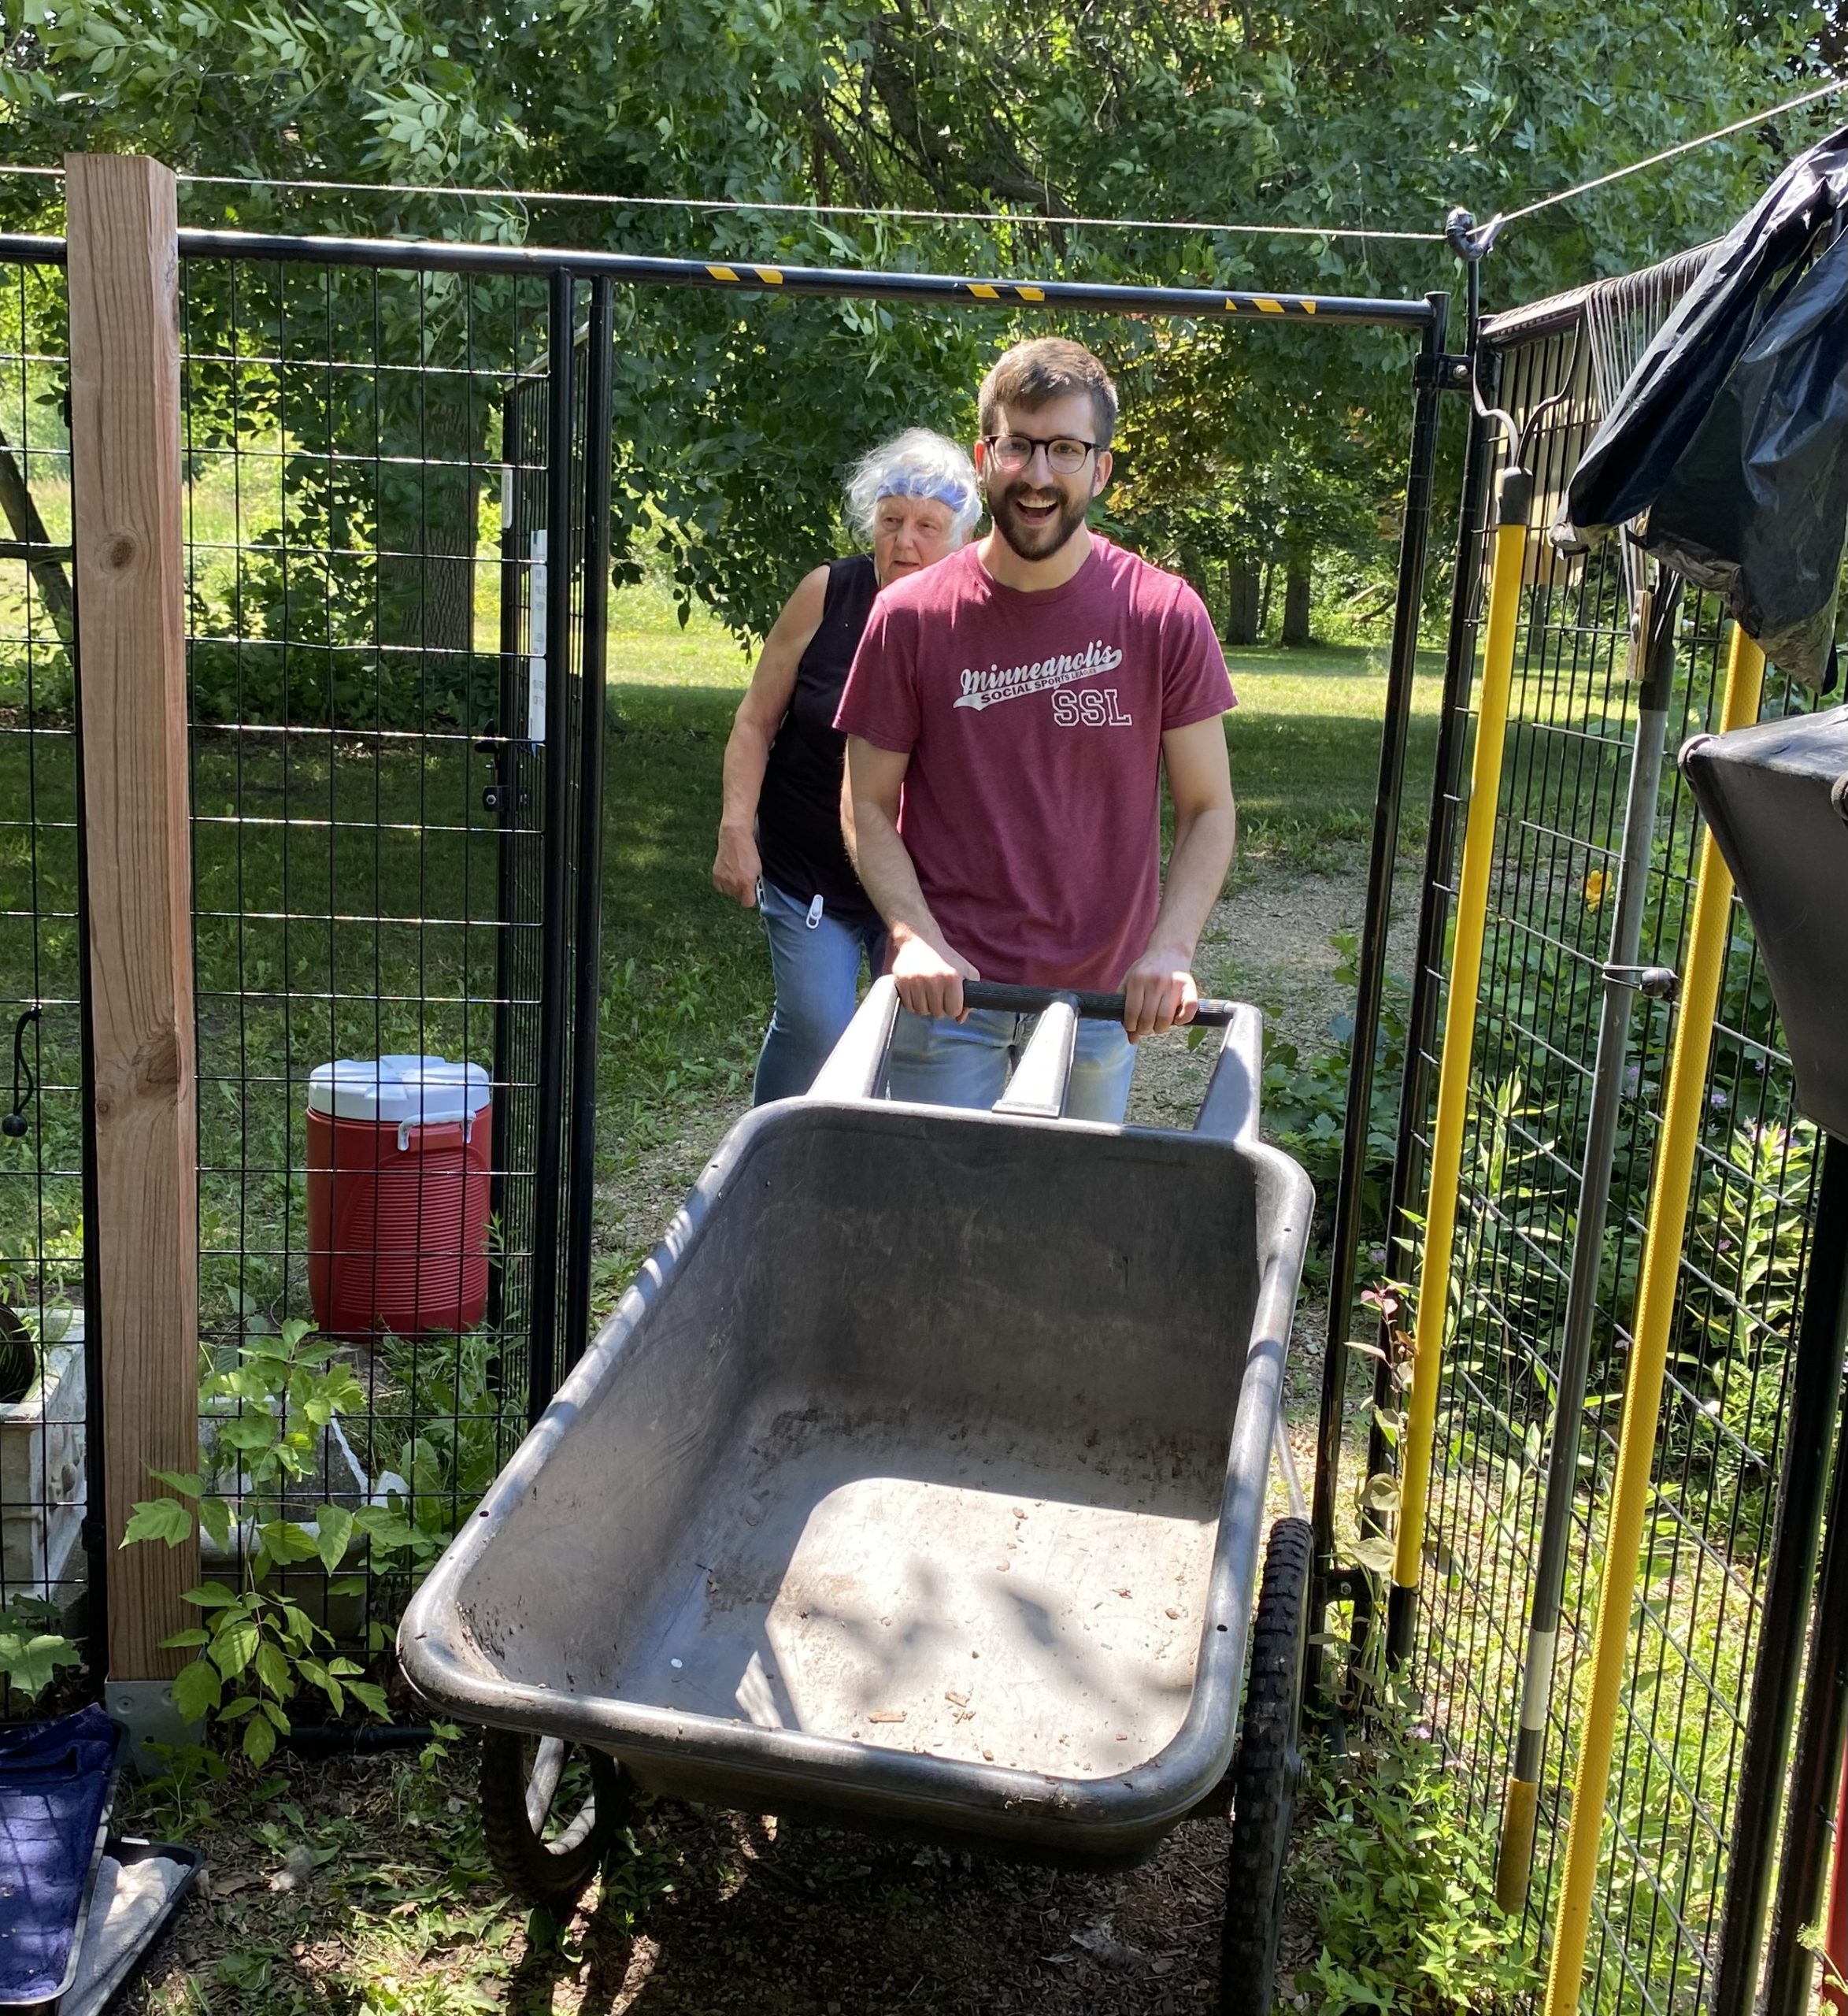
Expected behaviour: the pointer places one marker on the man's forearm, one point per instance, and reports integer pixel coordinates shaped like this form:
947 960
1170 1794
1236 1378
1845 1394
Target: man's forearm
884 865
1196 874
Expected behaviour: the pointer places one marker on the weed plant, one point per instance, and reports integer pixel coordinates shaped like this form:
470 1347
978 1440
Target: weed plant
1407 1918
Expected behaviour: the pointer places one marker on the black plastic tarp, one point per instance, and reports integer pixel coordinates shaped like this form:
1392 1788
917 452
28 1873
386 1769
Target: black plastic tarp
1731 435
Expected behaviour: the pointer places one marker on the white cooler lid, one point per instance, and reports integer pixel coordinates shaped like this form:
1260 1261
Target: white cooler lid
421 1091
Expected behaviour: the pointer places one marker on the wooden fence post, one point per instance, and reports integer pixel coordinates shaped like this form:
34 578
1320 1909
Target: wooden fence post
125 478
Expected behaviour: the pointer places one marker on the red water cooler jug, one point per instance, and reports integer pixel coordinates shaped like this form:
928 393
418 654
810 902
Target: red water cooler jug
398 1169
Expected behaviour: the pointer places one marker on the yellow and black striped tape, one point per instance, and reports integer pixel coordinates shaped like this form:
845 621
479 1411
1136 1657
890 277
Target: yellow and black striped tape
999 290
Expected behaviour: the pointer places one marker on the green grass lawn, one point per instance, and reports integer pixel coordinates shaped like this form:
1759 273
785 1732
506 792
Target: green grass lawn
1305 739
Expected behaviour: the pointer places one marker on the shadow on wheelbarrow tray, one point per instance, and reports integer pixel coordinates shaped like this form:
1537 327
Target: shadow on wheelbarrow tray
918 1481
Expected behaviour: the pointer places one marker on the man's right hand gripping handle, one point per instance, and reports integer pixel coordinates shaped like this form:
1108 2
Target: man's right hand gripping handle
930 978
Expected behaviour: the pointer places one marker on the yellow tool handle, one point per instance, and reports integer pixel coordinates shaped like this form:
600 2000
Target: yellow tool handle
1655 1309
1459 1049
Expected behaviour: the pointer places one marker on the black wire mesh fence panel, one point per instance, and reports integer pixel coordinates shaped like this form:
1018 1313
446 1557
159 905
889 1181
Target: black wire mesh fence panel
44 1379
385 539
1572 733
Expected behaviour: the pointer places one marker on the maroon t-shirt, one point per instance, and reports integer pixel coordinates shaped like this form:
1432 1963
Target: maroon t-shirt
1032 805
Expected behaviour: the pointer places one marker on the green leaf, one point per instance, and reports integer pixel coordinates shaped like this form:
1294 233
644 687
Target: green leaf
1375 1553
334 1529
286 1540
369 1694
197 1691
390 1531
215 1522
210 1595
249 1434
234 1645
298 1629
235 1710
317 1675
28 1659
259 1741
159 1519
273 1670
194 1635
183 1481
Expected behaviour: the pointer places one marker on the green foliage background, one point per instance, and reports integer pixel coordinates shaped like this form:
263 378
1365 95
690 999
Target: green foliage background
735 418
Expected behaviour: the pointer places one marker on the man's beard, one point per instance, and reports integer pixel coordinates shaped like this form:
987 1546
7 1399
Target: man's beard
1031 540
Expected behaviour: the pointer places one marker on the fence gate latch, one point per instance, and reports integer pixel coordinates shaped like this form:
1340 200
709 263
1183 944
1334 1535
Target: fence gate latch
1448 373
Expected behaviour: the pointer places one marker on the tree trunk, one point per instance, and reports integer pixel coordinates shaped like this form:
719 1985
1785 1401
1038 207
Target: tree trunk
428 534
429 493
1241 603
1264 600
28 529
1296 584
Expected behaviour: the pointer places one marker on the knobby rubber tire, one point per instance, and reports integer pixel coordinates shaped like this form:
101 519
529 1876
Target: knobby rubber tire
551 1873
1267 1774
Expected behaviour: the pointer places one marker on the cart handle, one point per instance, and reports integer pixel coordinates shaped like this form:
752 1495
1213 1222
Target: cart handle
1089 1007
856 1069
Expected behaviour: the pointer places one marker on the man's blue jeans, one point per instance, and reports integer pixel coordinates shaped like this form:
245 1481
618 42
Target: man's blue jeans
818 971
939 1062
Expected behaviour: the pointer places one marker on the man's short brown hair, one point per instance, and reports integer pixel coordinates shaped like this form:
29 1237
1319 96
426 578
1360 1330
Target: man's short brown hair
1033 374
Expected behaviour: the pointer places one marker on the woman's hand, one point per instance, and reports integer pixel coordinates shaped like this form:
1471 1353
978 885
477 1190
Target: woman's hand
736 868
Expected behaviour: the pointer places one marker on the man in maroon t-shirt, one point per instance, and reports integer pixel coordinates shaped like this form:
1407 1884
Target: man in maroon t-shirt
1010 714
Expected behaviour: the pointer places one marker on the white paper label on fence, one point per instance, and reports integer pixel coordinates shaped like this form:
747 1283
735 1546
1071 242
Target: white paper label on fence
535 644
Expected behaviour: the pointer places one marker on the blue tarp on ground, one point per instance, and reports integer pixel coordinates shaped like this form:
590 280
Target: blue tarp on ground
56 1779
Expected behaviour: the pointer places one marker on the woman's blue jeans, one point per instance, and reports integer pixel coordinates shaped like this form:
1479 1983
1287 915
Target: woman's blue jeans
817 969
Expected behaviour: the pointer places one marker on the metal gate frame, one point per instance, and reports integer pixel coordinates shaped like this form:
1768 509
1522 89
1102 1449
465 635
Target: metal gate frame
568 776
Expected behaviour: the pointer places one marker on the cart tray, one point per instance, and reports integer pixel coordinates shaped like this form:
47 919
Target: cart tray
989 1594
918 1480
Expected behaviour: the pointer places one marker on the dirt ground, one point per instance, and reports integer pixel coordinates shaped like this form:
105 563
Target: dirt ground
391 1909
388 1910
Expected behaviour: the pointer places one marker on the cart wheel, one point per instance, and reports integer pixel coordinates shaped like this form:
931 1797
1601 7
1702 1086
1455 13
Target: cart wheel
550 1810
1267 1774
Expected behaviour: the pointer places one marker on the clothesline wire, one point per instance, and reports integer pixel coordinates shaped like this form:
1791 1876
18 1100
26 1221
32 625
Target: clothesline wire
1669 154
715 203
798 210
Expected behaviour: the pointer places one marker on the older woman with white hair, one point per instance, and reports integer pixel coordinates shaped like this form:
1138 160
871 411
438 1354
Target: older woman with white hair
913 499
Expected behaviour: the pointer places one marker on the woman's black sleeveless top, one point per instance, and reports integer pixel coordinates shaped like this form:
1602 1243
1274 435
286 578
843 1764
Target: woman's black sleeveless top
799 807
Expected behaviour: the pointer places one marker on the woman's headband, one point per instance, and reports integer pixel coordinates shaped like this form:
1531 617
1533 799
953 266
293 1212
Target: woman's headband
942 489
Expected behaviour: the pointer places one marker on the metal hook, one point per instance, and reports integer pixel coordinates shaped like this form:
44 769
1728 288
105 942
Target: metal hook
13 1124
1470 242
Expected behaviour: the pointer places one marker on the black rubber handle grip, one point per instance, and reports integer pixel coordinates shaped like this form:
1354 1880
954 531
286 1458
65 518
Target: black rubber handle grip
1093 1007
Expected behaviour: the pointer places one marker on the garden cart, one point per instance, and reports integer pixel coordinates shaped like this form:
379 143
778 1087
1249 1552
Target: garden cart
917 1483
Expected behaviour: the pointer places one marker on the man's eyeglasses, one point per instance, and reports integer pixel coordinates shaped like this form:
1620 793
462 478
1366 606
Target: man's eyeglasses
1065 454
